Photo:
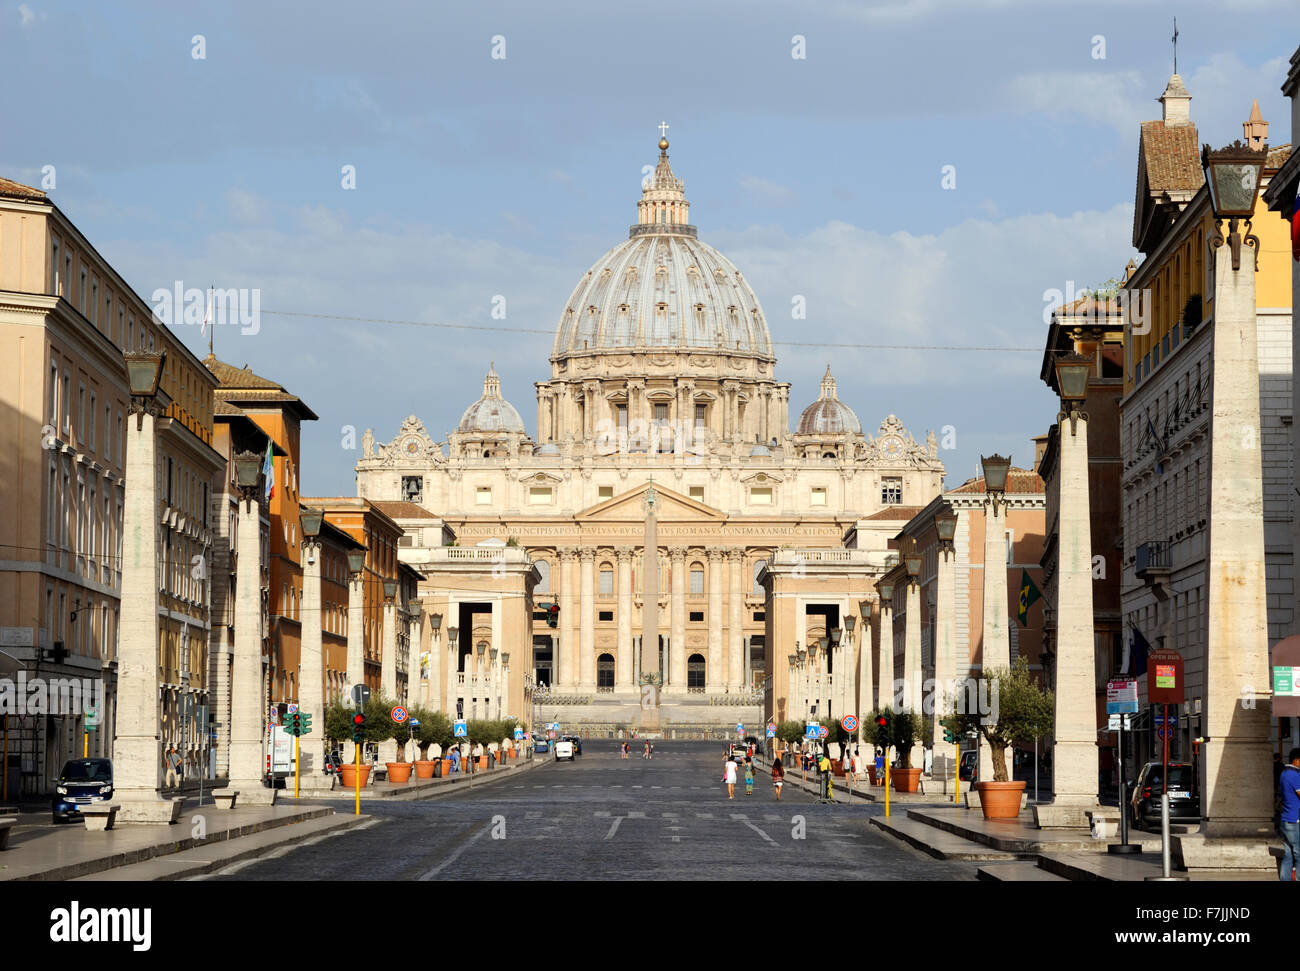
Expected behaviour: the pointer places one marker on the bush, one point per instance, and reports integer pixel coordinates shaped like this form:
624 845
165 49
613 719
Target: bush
790 732
1024 712
905 729
435 728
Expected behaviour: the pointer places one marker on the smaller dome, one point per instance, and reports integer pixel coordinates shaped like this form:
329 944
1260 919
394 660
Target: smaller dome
828 415
491 413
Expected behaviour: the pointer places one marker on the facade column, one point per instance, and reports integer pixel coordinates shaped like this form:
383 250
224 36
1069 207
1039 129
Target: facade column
247 700
1075 757
414 692
388 671
996 638
587 615
433 691
677 642
716 672
356 629
866 701
912 648
945 656
137 754
311 688
735 620
885 669
625 669
1236 648
566 657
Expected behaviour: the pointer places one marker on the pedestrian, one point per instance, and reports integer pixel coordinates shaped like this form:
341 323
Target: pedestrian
880 768
652 751
850 768
455 759
729 777
173 779
778 778
749 777
645 753
1289 782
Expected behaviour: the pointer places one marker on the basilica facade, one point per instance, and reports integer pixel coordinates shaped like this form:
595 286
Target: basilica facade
663 382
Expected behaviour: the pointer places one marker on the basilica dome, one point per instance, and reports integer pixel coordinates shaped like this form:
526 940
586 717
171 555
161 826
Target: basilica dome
663 289
828 415
491 413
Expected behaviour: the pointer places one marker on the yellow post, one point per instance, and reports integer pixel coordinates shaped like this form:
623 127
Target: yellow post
297 742
887 782
85 745
957 795
357 778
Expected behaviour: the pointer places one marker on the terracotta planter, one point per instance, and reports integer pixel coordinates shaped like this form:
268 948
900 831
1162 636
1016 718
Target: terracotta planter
424 769
399 771
871 774
446 767
905 780
348 773
1000 800
838 769
483 762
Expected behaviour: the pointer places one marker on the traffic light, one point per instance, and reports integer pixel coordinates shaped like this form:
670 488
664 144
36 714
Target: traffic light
949 735
358 728
291 724
882 721
553 615
304 723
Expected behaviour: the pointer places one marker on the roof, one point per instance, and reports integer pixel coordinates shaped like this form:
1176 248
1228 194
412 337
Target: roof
1277 157
1019 482
1171 157
241 384
895 512
402 510
8 187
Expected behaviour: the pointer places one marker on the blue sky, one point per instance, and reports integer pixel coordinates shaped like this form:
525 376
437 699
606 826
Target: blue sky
475 176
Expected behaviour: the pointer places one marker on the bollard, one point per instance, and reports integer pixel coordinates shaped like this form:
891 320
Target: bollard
1164 842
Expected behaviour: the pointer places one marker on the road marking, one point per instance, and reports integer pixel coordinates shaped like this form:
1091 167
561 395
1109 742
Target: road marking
756 829
635 815
619 786
669 815
456 853
739 816
704 815
601 814
613 827
642 787
660 787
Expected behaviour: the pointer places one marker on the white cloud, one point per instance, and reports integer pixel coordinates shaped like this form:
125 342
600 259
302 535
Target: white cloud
1120 99
246 208
765 192
26 16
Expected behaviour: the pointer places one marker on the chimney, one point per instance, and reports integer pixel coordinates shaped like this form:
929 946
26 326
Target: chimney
1255 127
1176 102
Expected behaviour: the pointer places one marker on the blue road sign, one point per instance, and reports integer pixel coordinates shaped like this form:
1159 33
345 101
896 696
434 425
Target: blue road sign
771 731
1158 717
519 734
461 730
740 728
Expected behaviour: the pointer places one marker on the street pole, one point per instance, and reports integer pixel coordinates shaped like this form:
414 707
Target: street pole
957 792
356 778
1124 846
887 781
297 751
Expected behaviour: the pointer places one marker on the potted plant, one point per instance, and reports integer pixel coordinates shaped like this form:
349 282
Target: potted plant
791 732
338 726
434 728
901 732
1021 711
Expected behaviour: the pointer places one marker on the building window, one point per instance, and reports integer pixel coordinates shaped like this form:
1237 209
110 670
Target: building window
54 396
661 411
483 496
760 616
606 582
605 673
413 488
57 283
90 431
620 412
544 577
539 495
891 490
757 590
606 615
701 415
67 403
818 497
695 673
697 493
697 580
82 295
605 492
760 496
697 616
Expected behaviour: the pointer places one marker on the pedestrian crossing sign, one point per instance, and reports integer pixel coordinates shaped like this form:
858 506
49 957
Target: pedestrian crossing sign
771 731
460 731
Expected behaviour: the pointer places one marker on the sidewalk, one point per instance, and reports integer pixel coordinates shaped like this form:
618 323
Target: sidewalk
419 788
862 790
71 851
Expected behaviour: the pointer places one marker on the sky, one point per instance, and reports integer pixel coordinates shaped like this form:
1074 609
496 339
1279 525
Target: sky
497 150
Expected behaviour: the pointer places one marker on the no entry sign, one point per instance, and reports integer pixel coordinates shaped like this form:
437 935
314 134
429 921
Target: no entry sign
399 714
849 723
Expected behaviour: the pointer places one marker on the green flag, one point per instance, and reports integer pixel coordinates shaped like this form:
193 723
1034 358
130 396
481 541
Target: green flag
1028 594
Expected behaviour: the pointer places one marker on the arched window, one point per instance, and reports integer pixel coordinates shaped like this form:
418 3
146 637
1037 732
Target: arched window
758 568
695 674
697 579
544 572
605 672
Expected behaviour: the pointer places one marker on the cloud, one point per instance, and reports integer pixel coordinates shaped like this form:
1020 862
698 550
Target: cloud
26 16
1119 99
765 192
246 208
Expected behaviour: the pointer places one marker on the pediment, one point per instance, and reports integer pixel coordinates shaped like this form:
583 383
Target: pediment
630 506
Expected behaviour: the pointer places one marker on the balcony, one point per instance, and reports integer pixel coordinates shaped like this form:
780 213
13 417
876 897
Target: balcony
1152 562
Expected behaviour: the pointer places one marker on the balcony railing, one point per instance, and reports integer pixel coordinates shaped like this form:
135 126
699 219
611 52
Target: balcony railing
1152 559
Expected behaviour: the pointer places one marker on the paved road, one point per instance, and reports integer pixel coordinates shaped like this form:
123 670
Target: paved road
603 818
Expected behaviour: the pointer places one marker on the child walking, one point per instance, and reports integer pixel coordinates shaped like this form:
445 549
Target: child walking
749 777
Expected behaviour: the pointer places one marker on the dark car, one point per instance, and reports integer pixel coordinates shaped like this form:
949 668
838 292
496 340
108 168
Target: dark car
541 745
82 781
969 770
1184 803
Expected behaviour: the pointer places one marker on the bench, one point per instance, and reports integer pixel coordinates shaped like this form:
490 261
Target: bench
6 823
225 798
99 817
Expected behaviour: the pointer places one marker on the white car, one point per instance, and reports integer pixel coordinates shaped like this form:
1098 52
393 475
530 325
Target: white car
563 749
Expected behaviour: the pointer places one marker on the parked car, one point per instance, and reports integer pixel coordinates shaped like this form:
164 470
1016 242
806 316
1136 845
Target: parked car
969 769
1184 803
564 750
81 782
577 743
541 745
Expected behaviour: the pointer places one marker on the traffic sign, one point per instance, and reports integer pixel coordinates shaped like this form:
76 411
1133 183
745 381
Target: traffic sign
771 731
1158 717
740 728
1166 731
519 734
555 726
360 694
92 718
812 730
293 710
1121 697
1116 722
822 731
460 730
550 734
399 714
849 723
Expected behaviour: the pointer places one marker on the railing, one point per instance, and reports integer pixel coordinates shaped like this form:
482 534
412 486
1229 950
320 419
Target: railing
488 554
543 698
602 689
1152 557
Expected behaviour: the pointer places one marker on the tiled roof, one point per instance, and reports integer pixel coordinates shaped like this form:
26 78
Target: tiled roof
242 378
220 407
896 512
241 384
8 187
1087 306
1019 482
402 510
1171 157
1277 157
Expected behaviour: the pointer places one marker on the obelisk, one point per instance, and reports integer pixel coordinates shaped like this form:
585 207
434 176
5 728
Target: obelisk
650 682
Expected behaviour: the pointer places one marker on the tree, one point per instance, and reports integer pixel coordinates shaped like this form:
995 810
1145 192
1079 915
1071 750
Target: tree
902 733
435 728
1024 711
791 732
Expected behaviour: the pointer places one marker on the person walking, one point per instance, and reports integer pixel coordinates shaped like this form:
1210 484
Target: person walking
652 750
729 776
173 780
778 778
749 777
645 753
850 769
1289 782
880 768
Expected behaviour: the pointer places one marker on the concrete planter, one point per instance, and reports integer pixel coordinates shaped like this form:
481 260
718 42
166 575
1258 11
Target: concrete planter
399 771
424 769
905 780
1000 800
348 773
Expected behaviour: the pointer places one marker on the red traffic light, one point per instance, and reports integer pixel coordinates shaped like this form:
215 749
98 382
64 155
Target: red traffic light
882 721
555 608
358 719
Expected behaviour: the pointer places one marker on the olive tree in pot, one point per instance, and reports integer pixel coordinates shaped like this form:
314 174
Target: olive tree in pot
1018 712
901 730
